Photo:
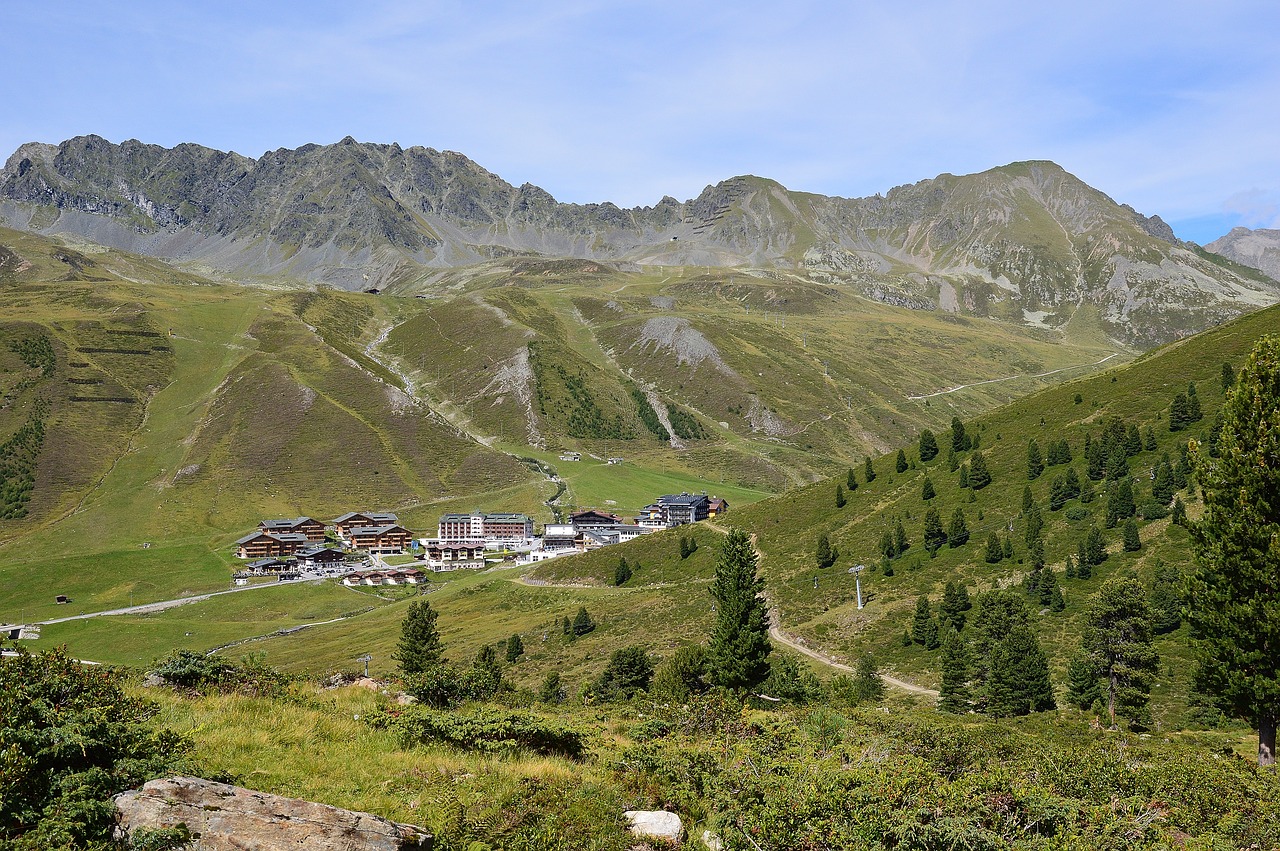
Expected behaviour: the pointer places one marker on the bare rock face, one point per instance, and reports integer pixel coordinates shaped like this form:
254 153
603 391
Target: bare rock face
221 817
655 824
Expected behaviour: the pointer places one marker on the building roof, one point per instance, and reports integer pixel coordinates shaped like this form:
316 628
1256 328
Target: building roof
288 523
682 499
507 515
317 549
265 562
282 537
372 516
378 531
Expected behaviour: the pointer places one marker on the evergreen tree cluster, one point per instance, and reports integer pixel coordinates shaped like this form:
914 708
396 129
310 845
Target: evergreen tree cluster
928 446
1185 409
688 546
994 666
1117 661
825 554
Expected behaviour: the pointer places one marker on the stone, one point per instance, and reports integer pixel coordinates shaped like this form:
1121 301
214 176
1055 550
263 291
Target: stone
712 841
221 817
655 824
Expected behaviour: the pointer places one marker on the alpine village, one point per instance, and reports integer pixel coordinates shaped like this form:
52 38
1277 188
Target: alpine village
352 497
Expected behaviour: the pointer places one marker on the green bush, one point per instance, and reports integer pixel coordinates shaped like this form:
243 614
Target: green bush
487 729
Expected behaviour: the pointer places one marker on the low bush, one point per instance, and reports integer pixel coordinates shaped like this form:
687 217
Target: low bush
485 728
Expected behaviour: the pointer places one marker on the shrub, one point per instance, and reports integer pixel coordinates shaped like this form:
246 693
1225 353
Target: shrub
485 729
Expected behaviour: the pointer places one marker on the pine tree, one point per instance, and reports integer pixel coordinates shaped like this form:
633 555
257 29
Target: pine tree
1117 464
629 671
900 542
995 550
738 652
1048 585
1149 439
1070 571
1084 567
1095 460
1132 541
1179 515
1058 493
1117 642
1132 441
979 475
825 554
1233 594
926 490
1072 482
900 463
1228 377
958 531
1194 414
622 572
1095 547
1035 463
959 440
868 471
1027 499
840 500
963 481
1057 602
953 694
1084 686
924 629
994 614
1008 544
955 602
1166 598
1019 676
582 622
1162 485
567 626
1179 413
928 447
868 687
887 549
934 536
551 691
851 481
515 648
1120 503
1035 553
419 648
1035 523
953 460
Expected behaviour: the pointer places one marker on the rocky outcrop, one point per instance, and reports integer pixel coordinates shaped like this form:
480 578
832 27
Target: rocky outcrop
1258 249
221 817
655 824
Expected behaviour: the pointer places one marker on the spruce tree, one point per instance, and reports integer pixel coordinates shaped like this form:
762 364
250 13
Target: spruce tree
995 550
824 553
582 623
1035 463
926 490
419 648
840 500
958 531
934 536
1084 686
1019 681
851 481
955 602
900 463
1095 547
953 694
900 542
928 446
979 475
738 652
1120 504
622 572
924 629
515 648
868 687
1233 595
1132 541
1228 377
1117 642
963 481
1149 439
1027 499
959 440
1048 585
869 472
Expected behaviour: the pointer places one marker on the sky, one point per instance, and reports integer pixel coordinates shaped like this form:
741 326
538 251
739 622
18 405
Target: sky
1173 107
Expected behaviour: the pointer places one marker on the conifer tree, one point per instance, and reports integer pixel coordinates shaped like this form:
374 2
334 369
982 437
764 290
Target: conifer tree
953 460
900 542
1095 548
622 572
825 554
926 490
995 550
1166 598
1120 504
900 463
582 623
1070 571
964 477
1035 523
1035 553
1117 642
1035 462
1117 464
1132 540
979 475
738 652
955 602
840 500
1179 515
1149 439
958 531
1084 686
953 694
851 481
924 629
1095 460
959 440
1233 595
515 648
1048 585
994 614
1179 413
1084 567
887 549
869 472
1072 482
566 626
934 536
1027 499
1194 414
1228 377
1132 440
1019 680
868 687
419 648
1057 493
928 446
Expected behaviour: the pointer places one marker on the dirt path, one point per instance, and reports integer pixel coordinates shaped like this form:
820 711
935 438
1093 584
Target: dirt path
1012 377
151 608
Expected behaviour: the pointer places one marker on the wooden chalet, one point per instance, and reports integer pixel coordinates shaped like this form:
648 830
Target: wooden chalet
717 506
320 556
390 539
593 518
269 545
313 529
343 525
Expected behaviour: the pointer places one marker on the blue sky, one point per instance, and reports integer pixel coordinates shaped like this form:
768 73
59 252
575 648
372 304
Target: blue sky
1170 107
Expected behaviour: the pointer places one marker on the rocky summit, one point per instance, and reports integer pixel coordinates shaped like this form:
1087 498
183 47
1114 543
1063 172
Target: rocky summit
1026 242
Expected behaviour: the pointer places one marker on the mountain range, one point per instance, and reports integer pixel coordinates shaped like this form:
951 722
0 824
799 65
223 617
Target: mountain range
1027 242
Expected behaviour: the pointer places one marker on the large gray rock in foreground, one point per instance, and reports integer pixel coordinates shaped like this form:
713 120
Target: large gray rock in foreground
228 818
655 824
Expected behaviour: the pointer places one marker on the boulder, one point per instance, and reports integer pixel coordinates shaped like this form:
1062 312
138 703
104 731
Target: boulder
655 824
221 817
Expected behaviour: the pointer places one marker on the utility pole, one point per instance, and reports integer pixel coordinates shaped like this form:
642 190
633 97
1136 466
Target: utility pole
856 570
366 658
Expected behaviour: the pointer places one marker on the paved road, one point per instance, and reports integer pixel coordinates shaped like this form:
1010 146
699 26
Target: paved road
148 608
